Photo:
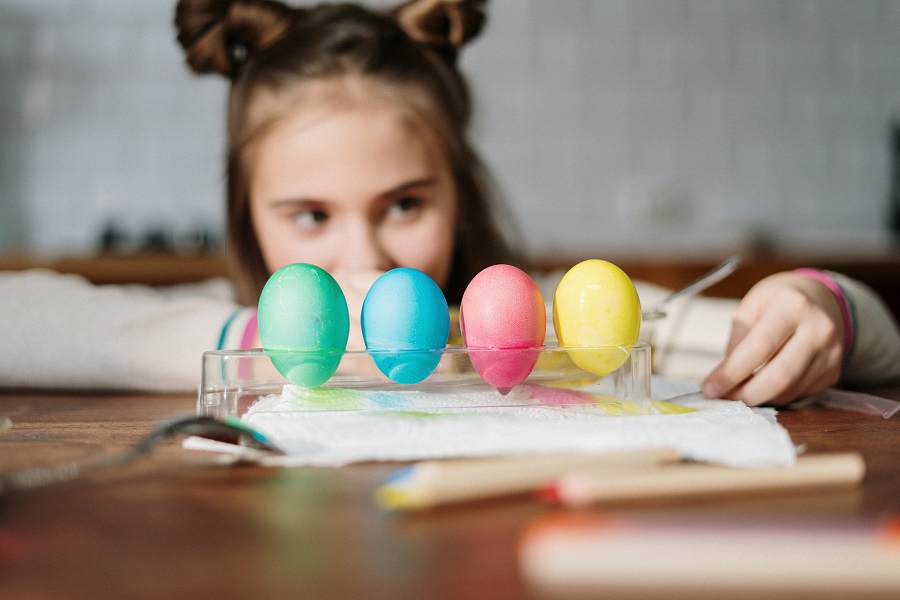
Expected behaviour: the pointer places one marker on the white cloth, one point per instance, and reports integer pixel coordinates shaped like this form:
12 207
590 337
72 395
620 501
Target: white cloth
60 331
409 427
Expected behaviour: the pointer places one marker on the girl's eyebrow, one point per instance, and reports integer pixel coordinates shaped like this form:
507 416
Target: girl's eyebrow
400 189
291 202
415 183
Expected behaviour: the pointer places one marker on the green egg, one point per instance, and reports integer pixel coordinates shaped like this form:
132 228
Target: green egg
303 323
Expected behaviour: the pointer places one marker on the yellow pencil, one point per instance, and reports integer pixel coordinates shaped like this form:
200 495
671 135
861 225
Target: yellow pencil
430 483
690 479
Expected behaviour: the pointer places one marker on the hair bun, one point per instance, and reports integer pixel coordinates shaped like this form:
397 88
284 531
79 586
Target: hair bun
443 24
219 35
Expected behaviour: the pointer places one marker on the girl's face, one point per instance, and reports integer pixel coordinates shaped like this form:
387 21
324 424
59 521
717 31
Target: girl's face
353 187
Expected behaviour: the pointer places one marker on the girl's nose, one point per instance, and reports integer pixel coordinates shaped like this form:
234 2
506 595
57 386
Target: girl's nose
364 251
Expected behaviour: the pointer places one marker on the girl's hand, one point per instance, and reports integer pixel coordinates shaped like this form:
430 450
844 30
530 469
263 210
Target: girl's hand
786 342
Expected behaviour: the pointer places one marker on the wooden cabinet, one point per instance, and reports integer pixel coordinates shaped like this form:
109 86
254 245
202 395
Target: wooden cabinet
149 268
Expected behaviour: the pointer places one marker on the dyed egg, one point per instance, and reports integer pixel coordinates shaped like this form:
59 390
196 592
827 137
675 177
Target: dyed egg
405 324
597 307
304 323
503 322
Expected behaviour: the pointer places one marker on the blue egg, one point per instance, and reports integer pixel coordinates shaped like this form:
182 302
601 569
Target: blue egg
405 323
303 323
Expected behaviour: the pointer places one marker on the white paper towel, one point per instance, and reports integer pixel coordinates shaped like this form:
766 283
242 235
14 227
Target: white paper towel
372 426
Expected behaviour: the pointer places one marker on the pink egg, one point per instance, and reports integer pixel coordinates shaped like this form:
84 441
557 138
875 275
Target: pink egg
503 322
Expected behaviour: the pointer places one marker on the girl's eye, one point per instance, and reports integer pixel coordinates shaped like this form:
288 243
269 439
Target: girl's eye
406 207
310 219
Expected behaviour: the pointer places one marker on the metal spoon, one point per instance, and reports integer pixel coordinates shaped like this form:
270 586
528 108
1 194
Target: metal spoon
206 427
719 273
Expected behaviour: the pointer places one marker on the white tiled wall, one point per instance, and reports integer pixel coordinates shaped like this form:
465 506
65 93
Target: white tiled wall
646 125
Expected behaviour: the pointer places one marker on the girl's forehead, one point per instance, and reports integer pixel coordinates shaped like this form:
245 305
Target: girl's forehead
313 102
371 138
315 97
390 126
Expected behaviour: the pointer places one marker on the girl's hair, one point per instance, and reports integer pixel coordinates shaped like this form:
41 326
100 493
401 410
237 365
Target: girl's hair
408 53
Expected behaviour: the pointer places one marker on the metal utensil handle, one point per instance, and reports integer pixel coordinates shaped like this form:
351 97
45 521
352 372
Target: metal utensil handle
719 273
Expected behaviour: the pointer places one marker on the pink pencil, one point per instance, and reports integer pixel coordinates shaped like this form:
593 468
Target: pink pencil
694 479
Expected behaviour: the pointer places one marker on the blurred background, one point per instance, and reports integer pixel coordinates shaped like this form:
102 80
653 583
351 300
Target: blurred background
676 128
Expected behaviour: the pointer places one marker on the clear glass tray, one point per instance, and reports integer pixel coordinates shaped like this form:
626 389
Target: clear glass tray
233 381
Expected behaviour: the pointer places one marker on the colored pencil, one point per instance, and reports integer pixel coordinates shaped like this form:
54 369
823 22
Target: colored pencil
591 555
694 479
430 483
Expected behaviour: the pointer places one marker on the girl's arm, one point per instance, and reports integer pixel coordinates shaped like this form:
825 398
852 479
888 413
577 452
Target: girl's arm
703 336
60 331
874 356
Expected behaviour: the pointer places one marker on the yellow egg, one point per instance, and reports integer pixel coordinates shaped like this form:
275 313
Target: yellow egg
597 315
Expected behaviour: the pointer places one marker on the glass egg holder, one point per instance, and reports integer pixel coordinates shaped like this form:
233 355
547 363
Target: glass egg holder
236 381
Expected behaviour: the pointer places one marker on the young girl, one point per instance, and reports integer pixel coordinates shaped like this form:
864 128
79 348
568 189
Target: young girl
348 149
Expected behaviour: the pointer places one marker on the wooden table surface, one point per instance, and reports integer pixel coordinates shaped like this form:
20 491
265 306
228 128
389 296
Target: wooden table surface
178 525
